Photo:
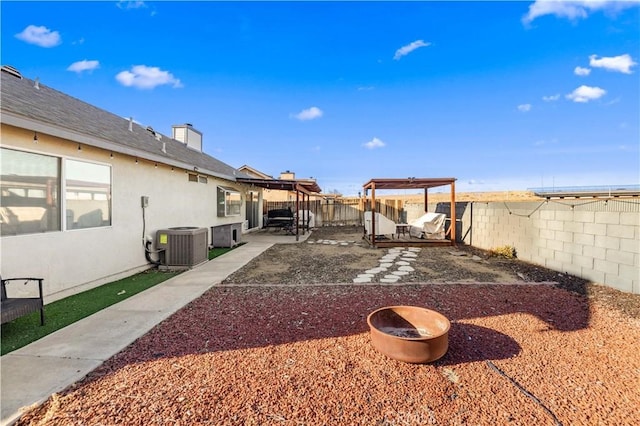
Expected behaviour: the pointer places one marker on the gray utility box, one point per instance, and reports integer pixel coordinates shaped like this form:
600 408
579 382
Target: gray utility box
184 246
226 235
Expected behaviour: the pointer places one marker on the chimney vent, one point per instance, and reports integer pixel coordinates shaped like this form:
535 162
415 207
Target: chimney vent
188 135
287 175
131 124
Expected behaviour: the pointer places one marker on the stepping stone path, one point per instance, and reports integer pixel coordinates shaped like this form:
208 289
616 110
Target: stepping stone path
393 266
332 242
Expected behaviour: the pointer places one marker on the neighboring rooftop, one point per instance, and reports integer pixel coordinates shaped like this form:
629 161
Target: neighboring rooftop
612 191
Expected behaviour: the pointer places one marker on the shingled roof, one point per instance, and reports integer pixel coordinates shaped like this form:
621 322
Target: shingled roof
31 105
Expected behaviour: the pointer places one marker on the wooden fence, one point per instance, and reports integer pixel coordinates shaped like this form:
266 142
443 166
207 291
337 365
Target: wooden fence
345 211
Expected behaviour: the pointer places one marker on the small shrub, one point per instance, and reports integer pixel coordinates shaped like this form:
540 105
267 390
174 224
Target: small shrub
506 252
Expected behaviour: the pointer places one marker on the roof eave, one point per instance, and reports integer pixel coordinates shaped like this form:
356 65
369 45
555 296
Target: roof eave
76 137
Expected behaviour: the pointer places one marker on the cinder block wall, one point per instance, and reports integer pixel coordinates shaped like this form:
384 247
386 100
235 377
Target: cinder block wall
596 240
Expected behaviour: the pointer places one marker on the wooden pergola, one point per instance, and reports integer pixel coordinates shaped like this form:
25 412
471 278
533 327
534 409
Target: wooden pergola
306 188
409 183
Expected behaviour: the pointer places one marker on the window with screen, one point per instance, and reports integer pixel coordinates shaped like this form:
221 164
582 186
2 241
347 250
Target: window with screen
229 201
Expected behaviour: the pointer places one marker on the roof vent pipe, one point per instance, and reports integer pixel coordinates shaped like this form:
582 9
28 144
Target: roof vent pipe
164 147
131 124
36 84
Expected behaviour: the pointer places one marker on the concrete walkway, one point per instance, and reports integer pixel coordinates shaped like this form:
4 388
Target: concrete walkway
32 373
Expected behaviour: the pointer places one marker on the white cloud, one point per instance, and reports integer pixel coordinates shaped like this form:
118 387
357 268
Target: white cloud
405 50
83 65
374 143
585 94
551 98
524 107
309 114
574 9
582 71
40 36
123 4
542 142
622 63
144 77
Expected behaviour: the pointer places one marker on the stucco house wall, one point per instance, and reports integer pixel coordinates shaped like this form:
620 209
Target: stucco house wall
141 164
79 259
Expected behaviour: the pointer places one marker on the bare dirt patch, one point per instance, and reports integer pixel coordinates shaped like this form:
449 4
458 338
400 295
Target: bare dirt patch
318 263
339 254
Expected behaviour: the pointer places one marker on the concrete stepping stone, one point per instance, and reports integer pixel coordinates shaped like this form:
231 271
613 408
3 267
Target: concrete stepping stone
409 254
407 259
366 275
414 249
400 273
403 263
390 279
374 271
386 264
361 280
406 268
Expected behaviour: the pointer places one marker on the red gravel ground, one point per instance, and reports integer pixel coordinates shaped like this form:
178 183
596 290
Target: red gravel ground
526 354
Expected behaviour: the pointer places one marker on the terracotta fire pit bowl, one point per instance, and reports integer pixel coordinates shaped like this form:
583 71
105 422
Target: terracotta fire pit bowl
409 333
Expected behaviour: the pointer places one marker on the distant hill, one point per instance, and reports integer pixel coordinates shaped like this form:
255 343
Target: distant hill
465 196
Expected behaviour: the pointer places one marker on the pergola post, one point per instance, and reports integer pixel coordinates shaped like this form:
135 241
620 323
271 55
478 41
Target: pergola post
453 213
297 210
373 214
426 200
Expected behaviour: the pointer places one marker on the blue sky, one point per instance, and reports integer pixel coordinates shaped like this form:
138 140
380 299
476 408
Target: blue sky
500 95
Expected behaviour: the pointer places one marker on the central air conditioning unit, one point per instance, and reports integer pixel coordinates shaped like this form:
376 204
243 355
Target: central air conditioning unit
185 246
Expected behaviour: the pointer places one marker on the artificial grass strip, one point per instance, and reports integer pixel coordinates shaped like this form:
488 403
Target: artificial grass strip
219 251
59 314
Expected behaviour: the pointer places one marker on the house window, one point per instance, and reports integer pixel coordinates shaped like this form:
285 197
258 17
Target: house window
87 195
30 187
197 178
229 201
